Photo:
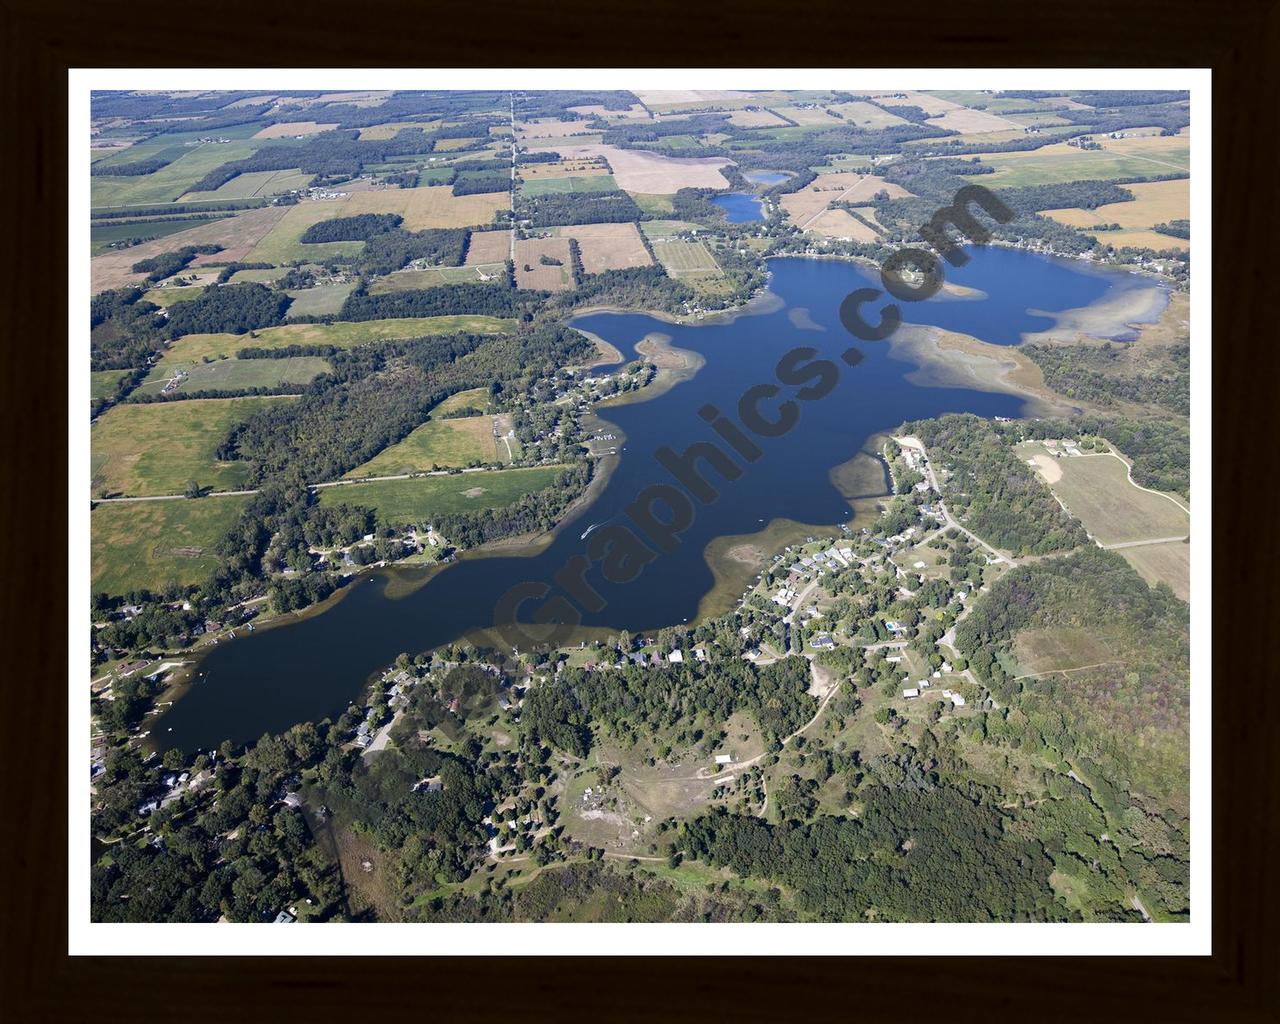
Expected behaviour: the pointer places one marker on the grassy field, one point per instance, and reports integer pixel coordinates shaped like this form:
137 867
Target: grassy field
437 444
653 203
1057 163
103 383
1163 563
320 300
532 273
254 183
102 235
664 228
256 276
147 544
608 246
1097 491
157 448
170 181
234 374
192 348
435 277
1154 202
685 259
1061 648
417 500
594 183
166 297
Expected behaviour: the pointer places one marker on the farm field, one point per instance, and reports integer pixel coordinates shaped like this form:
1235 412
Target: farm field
237 235
440 442
755 119
804 206
807 117
635 112
1163 563
580 183
488 247
1154 202
418 499
155 449
292 129
970 122
532 273
550 128
433 206
322 300
664 228
148 544
435 277
1059 162
840 224
102 235
867 115
103 383
166 297
607 246
1097 491
253 183
390 129
683 259
343 334
234 374
170 181
581 168
638 171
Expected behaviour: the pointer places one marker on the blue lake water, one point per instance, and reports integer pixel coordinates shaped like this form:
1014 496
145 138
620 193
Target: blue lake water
766 177
309 668
739 208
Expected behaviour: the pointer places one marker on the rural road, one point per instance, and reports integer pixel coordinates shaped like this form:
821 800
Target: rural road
1141 543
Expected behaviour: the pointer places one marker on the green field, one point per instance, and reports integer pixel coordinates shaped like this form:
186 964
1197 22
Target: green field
438 443
322 300
171 181
259 276
192 348
234 374
104 233
417 500
594 183
1097 491
255 183
157 448
166 297
685 259
1060 163
435 277
665 228
103 383
139 544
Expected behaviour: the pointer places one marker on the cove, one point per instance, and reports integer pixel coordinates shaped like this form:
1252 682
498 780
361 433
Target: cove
310 667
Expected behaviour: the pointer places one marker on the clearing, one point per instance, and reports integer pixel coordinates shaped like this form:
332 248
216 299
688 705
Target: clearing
638 171
234 374
440 442
532 273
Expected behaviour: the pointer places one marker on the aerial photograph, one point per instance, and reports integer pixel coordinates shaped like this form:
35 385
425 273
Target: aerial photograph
651 505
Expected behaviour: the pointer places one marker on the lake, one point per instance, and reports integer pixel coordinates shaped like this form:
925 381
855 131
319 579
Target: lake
766 177
310 667
739 208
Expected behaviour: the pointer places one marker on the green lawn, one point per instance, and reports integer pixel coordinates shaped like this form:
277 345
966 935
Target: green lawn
192 348
435 277
417 500
166 297
234 374
255 183
147 544
157 448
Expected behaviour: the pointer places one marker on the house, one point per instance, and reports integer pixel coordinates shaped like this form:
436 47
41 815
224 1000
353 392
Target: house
700 654
957 700
675 657
910 693
284 917
724 759
822 642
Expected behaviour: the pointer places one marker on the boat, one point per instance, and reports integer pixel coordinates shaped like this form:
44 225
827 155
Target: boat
588 530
